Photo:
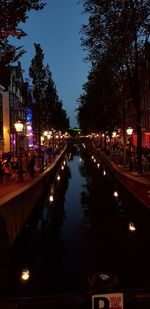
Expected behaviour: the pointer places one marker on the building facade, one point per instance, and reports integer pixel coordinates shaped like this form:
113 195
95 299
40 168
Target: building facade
11 106
145 95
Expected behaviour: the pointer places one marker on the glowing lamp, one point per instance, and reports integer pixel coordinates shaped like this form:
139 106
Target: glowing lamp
18 126
115 194
51 198
45 133
58 177
129 131
132 227
25 275
114 134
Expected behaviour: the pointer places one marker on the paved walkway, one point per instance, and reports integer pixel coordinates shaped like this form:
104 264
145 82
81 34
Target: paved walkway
14 185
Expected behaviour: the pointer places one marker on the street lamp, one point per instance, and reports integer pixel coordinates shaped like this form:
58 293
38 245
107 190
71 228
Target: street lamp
19 129
129 133
49 137
1 146
114 133
53 141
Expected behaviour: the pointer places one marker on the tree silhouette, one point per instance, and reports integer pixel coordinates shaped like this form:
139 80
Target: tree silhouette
14 12
37 73
119 29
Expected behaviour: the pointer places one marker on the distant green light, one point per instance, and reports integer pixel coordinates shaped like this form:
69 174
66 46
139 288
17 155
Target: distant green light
75 129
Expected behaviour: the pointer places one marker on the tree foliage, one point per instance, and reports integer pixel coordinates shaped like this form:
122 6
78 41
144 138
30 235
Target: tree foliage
55 115
98 105
116 33
37 73
14 12
47 111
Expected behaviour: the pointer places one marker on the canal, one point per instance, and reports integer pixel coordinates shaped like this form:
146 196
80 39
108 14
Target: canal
85 223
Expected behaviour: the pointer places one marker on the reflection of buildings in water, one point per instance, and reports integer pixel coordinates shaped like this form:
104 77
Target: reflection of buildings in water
45 213
53 209
84 202
4 244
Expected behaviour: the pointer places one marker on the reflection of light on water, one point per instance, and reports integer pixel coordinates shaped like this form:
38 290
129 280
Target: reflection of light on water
115 194
132 227
25 275
51 198
58 177
104 277
69 156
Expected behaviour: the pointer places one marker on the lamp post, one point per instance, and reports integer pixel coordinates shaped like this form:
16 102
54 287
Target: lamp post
114 134
53 141
19 129
49 136
129 133
1 146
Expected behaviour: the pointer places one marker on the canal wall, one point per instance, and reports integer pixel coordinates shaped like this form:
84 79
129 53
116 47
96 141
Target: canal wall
138 185
16 207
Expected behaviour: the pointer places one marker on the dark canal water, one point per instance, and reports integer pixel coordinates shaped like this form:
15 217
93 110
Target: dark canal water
84 230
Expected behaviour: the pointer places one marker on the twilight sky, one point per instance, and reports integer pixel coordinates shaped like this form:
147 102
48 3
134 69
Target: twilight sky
57 29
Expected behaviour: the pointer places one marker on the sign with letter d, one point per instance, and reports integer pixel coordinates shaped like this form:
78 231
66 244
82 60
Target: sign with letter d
107 301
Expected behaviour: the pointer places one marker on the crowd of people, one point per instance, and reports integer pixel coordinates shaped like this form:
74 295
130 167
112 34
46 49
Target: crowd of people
30 163
117 151
131 156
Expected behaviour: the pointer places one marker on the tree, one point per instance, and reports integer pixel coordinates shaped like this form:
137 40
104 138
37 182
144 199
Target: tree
55 115
98 106
60 117
38 74
47 111
50 97
121 29
13 12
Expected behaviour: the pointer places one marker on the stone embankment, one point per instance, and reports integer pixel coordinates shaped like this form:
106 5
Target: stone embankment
137 184
16 206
